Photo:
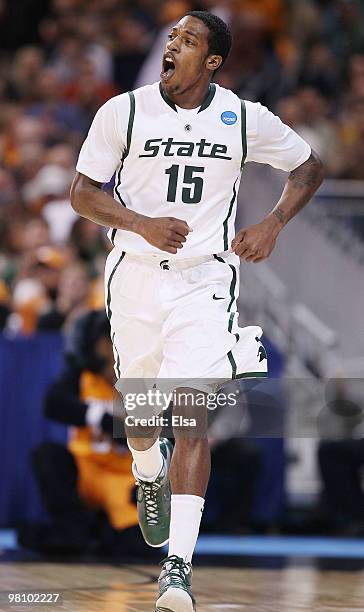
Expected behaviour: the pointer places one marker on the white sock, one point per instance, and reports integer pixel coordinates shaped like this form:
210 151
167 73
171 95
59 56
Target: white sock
148 463
186 514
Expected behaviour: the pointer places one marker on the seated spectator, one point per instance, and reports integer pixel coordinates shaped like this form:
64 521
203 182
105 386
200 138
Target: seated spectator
48 192
29 298
353 140
87 487
88 240
320 71
71 300
88 90
318 129
8 191
61 154
61 119
356 75
259 76
20 135
36 288
91 30
28 61
66 55
132 40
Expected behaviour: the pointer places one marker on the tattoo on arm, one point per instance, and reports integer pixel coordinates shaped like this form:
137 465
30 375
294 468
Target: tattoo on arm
300 187
307 174
279 214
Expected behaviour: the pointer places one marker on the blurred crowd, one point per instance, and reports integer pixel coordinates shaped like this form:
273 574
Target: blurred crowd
61 59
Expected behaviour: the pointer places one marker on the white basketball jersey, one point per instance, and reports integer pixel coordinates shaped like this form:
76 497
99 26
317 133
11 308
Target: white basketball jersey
173 162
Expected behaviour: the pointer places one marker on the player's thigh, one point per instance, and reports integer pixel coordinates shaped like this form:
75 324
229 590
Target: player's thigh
202 336
134 315
207 348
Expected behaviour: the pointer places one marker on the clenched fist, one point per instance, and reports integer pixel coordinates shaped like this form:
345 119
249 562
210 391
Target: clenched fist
165 233
255 243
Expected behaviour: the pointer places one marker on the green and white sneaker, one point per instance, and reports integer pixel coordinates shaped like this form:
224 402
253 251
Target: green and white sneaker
175 586
154 501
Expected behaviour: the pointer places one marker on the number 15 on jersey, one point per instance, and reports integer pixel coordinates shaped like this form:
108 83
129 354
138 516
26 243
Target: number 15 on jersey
192 184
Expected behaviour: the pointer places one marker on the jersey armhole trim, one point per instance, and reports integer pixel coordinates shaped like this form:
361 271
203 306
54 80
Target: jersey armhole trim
243 133
126 153
130 123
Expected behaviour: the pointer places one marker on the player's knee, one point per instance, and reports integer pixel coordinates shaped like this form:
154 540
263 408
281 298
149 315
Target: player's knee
189 420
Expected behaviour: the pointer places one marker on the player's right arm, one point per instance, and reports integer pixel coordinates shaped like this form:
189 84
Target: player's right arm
90 201
99 158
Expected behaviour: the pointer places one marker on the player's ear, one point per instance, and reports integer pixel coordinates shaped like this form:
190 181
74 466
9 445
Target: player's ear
213 62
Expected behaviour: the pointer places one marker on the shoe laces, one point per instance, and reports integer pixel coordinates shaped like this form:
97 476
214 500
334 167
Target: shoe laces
177 569
150 495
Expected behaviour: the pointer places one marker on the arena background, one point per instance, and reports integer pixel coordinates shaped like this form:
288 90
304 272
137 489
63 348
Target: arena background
60 60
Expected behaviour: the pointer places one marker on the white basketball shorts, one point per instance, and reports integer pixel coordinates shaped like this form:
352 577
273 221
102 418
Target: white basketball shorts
178 320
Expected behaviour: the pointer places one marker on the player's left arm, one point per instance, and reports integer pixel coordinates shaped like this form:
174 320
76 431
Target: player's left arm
256 243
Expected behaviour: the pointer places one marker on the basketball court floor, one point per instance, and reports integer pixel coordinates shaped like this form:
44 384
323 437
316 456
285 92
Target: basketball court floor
278 575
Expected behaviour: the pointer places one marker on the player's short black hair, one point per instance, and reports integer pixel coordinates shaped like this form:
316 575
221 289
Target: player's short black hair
220 37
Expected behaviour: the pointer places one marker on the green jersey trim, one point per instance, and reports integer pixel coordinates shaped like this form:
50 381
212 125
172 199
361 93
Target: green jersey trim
230 355
130 123
244 146
109 311
126 153
167 99
226 222
108 299
244 150
252 375
117 364
232 314
210 96
232 285
205 104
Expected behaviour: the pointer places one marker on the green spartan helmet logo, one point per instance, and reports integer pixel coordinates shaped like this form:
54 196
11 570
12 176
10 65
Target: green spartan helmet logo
164 264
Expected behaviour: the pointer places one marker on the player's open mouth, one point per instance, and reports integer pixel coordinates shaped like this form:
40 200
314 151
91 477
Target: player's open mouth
168 69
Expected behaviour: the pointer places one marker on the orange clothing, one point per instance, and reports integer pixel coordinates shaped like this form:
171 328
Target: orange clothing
105 477
4 293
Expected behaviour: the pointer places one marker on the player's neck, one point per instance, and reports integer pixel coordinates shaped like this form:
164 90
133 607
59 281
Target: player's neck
191 98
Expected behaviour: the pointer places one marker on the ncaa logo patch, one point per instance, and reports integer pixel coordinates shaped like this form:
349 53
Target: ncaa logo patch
229 117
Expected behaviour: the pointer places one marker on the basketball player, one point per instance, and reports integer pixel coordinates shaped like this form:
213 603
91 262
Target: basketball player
178 148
